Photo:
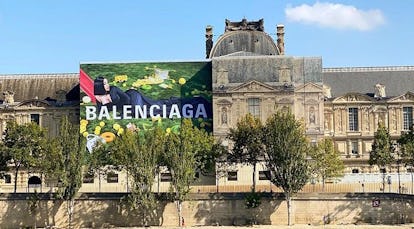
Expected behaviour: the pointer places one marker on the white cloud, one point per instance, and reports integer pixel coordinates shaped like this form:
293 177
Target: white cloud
336 16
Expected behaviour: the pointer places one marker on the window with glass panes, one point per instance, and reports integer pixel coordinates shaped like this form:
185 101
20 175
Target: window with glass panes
354 147
353 119
254 106
35 118
407 117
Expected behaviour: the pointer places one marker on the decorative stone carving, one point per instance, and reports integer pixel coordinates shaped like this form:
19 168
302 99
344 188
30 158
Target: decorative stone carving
244 25
327 91
379 91
8 97
222 77
312 115
224 116
253 86
284 74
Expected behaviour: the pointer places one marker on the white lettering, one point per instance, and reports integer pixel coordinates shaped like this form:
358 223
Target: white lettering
127 112
187 111
174 111
104 113
201 110
141 110
152 111
90 113
155 111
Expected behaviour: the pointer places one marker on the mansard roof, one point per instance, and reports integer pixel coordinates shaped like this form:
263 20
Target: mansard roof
41 86
397 80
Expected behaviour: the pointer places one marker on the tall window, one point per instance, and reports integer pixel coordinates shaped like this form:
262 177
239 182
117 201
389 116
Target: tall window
353 119
354 147
35 118
407 118
254 106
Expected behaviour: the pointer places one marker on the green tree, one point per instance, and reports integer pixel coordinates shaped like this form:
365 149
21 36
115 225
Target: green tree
68 160
139 156
326 161
248 145
183 156
285 151
406 143
22 146
382 153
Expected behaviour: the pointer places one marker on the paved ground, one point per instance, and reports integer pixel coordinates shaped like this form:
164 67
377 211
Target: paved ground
351 226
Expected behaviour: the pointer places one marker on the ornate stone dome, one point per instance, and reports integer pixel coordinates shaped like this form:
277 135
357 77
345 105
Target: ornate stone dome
254 42
244 38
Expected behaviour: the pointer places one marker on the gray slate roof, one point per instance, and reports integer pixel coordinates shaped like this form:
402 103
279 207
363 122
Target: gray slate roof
29 86
397 80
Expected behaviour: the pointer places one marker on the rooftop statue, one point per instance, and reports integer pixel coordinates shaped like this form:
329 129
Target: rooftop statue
244 25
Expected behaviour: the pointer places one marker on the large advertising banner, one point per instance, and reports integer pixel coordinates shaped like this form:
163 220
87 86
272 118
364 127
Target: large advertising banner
139 96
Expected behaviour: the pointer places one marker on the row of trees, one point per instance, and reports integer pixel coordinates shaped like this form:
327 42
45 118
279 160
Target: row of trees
63 160
280 143
387 151
143 155
59 159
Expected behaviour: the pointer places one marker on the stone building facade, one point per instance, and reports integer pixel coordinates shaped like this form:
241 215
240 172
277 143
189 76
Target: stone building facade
252 74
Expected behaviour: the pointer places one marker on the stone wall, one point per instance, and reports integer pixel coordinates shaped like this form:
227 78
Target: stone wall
97 210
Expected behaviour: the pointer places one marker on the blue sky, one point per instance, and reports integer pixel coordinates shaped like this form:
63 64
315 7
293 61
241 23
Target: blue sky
49 36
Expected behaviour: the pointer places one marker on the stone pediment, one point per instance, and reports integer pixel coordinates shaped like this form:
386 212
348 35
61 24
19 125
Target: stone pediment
34 103
353 97
223 102
253 86
309 88
407 97
285 100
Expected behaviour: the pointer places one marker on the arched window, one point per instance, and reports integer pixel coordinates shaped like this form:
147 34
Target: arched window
34 181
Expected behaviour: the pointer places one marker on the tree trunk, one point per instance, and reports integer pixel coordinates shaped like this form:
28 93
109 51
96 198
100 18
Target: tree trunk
254 177
70 206
180 217
289 207
323 184
16 172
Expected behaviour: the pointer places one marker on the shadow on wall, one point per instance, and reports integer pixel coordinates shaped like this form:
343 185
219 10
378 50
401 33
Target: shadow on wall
115 213
100 211
230 210
17 212
376 208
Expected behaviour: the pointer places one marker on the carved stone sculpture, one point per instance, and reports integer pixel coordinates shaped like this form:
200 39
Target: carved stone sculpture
8 97
379 91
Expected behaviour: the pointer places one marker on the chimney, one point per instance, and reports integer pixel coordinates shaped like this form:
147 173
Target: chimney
209 40
280 31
